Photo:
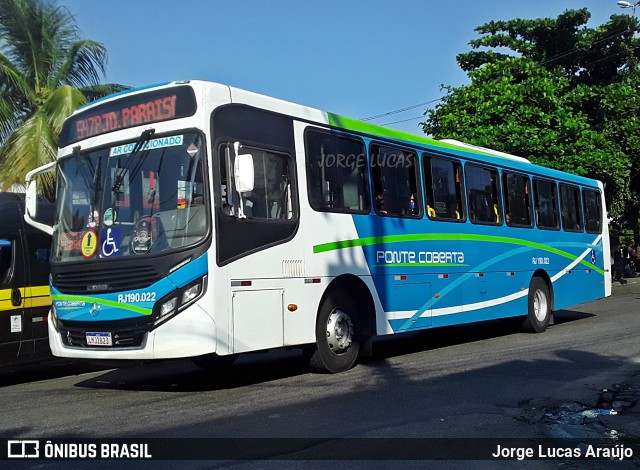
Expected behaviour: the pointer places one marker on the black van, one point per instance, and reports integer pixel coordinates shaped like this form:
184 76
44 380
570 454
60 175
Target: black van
24 283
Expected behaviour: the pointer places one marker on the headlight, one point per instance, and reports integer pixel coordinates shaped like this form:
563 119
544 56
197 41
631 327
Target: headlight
179 300
54 316
168 307
191 293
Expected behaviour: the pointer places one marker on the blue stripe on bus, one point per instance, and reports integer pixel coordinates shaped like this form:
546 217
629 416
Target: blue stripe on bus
125 304
121 93
491 270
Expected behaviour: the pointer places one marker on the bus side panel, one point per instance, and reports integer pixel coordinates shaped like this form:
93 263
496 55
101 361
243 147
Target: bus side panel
577 287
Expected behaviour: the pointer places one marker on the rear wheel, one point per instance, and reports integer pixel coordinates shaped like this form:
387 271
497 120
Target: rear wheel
336 344
539 314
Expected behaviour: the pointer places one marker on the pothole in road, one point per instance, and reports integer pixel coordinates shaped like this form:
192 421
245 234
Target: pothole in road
615 416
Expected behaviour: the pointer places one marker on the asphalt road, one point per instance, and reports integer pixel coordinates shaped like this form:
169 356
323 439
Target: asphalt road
485 380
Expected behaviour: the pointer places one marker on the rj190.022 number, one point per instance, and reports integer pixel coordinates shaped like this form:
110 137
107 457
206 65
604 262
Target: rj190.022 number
133 297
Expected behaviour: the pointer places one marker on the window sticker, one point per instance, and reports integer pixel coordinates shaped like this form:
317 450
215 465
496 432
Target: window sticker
93 219
111 240
16 323
163 142
89 244
109 217
143 235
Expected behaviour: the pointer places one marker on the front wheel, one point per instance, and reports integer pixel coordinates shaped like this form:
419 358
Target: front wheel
336 344
539 314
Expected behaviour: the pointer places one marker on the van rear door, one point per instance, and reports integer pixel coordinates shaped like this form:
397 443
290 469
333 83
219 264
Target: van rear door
38 300
12 295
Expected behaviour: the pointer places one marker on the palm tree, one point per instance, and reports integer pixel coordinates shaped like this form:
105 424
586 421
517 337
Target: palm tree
46 72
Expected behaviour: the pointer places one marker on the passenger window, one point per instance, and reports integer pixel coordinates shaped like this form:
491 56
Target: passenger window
395 181
483 195
517 200
6 262
271 197
443 189
592 211
336 172
546 204
570 203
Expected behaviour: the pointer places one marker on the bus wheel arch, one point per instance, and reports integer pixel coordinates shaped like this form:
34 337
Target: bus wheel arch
540 303
345 321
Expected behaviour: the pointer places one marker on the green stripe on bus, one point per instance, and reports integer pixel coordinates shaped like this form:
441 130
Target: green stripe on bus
351 124
445 237
109 303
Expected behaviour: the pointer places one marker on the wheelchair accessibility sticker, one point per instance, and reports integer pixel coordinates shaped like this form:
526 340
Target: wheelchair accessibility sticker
111 238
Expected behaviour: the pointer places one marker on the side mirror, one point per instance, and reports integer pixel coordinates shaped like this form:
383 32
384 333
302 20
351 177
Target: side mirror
243 170
31 205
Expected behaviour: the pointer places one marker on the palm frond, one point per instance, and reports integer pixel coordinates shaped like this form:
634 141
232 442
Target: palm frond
30 146
60 104
100 91
38 34
85 62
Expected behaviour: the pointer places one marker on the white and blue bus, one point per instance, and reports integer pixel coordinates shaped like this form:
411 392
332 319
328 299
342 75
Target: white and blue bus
199 220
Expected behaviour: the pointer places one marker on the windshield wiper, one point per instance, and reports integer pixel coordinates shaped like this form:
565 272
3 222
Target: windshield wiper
142 140
92 180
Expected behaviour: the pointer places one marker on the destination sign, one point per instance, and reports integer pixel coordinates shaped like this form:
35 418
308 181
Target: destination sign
129 111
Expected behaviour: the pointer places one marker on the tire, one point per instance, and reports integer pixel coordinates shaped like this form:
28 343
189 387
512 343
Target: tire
213 361
336 328
539 314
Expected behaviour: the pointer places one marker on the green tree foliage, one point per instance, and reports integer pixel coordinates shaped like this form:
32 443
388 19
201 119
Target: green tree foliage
46 72
557 92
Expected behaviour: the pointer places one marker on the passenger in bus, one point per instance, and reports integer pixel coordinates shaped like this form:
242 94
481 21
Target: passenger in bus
413 205
226 208
379 204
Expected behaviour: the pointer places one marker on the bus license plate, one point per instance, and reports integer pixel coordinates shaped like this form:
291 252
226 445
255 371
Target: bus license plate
99 339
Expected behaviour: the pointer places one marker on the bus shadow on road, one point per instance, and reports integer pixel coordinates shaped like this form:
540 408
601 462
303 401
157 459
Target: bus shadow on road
262 367
183 376
45 370
568 316
425 340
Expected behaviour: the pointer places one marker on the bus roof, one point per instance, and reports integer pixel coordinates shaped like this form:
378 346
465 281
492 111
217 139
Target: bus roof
316 116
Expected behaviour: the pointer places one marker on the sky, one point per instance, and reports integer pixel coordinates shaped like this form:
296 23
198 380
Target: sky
355 58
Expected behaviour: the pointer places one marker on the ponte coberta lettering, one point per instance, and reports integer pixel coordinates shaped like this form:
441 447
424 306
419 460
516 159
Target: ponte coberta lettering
419 257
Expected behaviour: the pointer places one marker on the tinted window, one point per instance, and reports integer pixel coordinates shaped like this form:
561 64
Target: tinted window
483 195
39 249
116 203
592 211
271 197
443 188
517 200
546 204
6 262
395 181
336 172
571 212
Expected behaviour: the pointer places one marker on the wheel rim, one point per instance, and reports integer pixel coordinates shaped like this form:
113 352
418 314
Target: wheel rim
540 306
339 331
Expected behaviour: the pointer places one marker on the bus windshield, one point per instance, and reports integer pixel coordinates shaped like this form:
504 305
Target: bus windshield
132 199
